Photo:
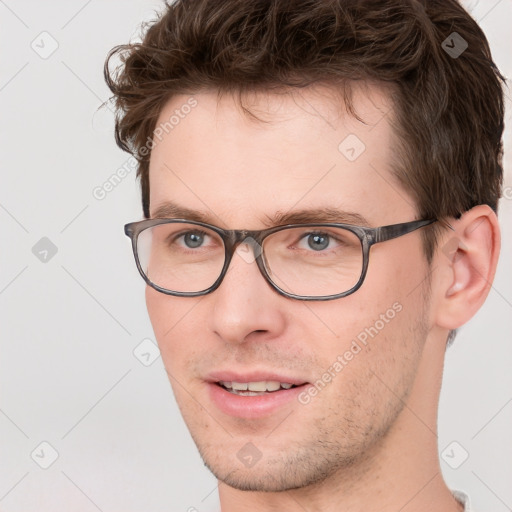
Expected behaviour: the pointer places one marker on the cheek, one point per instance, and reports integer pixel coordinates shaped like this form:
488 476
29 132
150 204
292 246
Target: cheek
158 311
174 325
373 358
397 268
381 321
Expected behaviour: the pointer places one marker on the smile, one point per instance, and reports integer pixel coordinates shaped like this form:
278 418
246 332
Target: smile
254 399
254 388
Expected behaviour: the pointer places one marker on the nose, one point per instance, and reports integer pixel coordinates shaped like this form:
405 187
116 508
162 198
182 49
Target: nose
244 305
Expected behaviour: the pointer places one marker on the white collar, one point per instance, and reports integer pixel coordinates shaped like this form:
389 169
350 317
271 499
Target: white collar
463 498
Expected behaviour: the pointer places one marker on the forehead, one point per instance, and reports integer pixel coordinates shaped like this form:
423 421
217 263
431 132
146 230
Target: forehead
305 151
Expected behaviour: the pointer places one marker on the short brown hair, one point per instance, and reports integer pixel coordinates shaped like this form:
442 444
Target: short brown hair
448 108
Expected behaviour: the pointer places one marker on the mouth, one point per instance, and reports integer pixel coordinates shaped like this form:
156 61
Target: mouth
254 394
258 388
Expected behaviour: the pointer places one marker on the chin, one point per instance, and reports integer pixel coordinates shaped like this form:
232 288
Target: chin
261 480
277 473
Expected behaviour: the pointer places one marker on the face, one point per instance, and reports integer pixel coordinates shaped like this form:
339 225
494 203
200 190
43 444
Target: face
352 360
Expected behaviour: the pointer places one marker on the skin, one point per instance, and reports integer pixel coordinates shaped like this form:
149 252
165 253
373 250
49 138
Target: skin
368 440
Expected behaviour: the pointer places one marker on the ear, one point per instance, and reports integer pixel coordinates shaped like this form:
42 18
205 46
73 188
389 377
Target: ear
466 260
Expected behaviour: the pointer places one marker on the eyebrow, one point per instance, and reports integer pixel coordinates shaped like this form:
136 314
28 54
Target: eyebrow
170 210
321 215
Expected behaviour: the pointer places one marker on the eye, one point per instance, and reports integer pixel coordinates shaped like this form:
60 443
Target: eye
318 241
193 239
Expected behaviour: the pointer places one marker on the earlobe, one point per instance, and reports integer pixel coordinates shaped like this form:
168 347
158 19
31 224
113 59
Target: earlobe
467 263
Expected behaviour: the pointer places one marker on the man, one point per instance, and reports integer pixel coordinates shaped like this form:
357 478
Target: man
320 183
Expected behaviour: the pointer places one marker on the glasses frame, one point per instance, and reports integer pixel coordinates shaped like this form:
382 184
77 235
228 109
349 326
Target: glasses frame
234 237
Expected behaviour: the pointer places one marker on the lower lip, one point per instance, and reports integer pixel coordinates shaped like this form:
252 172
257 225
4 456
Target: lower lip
251 407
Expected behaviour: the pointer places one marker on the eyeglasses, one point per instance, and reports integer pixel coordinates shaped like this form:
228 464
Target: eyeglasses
302 261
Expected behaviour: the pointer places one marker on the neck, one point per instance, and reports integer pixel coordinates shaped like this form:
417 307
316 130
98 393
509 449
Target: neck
401 473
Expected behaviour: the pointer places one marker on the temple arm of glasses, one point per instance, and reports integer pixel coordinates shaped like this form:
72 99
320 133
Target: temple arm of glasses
384 233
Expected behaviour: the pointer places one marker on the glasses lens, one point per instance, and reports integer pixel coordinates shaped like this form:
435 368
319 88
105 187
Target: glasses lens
181 257
314 261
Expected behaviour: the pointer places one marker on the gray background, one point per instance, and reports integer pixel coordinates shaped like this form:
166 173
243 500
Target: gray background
71 321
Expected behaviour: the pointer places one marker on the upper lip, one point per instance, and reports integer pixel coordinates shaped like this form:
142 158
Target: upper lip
252 376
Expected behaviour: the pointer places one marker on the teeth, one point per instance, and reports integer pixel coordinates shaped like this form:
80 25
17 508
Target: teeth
272 385
261 386
257 386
